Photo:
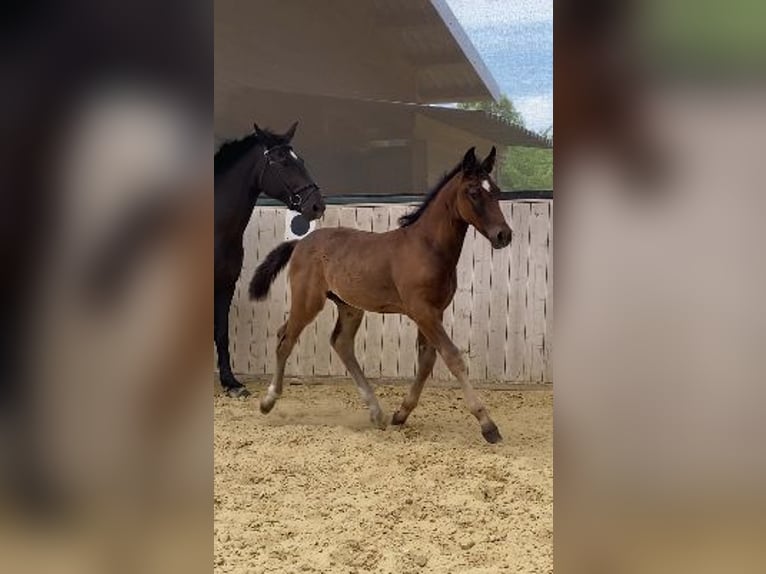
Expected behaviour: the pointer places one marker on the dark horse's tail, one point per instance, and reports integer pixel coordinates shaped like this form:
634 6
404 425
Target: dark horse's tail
269 268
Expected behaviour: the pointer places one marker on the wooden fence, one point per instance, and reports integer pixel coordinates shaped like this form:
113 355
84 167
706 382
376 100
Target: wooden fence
501 316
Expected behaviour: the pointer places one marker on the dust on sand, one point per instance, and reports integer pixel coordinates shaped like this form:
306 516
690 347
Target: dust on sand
313 487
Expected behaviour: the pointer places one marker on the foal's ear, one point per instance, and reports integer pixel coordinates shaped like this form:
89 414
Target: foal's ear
289 134
256 129
489 162
469 160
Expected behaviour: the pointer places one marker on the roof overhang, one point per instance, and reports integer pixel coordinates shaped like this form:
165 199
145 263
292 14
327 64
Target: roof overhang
324 117
394 50
488 126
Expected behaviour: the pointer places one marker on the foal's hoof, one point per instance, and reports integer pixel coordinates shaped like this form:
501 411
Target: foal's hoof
267 404
381 421
491 434
399 418
239 392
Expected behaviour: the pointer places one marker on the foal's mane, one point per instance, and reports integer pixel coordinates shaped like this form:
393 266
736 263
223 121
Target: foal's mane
413 216
232 150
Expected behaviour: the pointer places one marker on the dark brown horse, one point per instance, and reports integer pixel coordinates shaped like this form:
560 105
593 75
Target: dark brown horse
262 162
410 270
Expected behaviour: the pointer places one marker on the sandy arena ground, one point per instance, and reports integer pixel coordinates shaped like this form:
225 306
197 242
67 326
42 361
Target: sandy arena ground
312 487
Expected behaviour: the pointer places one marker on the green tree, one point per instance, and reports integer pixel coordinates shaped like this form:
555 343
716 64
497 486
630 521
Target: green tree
526 168
520 167
503 108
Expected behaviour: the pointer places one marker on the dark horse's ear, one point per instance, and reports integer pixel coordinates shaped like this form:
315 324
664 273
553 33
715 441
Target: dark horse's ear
469 160
489 162
289 134
256 129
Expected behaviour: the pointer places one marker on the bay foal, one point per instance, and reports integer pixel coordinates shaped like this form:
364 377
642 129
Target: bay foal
410 270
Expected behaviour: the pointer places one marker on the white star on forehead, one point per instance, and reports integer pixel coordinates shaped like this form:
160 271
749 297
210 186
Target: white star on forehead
485 185
292 153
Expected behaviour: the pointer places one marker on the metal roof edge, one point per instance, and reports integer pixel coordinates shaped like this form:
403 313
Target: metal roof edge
522 195
469 50
547 141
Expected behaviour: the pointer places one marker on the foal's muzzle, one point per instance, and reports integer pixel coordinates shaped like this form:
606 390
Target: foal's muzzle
500 236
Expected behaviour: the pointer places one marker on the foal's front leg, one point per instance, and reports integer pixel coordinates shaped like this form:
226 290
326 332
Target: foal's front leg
431 326
426 360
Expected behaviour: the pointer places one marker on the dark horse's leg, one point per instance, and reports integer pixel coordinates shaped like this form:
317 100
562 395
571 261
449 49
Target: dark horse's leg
223 295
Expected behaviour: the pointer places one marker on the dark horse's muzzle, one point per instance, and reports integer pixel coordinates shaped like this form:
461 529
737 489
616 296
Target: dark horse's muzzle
312 204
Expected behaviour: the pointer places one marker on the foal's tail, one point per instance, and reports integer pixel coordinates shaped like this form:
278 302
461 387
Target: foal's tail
269 268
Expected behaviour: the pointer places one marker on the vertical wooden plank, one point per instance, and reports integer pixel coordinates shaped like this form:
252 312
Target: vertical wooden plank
389 334
261 238
323 329
515 349
480 308
265 243
235 329
537 291
246 307
251 260
381 218
323 326
320 342
238 325
498 310
315 356
461 309
528 295
548 372
305 351
347 218
448 320
392 355
330 313
279 297
407 348
407 331
370 359
258 341
252 255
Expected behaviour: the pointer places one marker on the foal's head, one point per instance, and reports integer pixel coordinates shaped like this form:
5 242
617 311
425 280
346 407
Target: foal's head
284 177
478 199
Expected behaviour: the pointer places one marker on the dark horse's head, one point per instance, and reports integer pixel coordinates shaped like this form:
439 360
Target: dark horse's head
478 199
283 176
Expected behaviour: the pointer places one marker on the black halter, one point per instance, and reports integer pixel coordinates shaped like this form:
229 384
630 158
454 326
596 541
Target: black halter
295 201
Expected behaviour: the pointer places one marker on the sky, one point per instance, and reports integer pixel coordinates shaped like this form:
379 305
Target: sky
515 40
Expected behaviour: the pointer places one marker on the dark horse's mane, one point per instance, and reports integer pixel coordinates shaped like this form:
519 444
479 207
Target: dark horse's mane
413 216
231 150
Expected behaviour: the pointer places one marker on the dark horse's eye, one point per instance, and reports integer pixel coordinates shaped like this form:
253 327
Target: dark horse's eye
474 192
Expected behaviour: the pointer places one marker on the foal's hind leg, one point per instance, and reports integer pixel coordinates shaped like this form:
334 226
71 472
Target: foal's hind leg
426 361
342 339
305 307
